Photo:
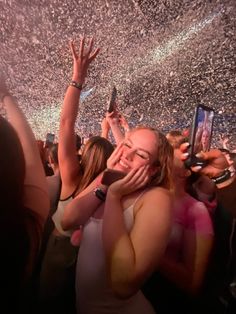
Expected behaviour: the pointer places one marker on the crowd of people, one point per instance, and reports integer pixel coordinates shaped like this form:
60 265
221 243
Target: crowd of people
158 238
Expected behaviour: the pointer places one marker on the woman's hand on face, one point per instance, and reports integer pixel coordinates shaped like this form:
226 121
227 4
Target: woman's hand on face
82 59
133 181
115 156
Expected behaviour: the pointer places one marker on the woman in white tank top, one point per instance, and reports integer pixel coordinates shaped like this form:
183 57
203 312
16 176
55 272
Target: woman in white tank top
126 226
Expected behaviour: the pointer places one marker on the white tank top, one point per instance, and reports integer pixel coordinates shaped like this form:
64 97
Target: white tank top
93 294
57 216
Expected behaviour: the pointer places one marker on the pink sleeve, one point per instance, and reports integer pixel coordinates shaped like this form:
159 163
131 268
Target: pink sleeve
200 220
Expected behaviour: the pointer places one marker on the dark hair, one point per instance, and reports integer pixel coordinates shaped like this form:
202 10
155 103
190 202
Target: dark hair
53 153
12 166
78 141
15 242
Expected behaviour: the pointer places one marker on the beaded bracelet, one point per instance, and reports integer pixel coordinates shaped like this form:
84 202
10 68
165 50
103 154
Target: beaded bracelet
76 85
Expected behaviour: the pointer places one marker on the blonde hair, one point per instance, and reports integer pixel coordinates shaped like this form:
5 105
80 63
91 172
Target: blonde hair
164 159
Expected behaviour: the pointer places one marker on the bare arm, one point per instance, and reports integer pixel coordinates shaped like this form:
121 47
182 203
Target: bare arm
81 208
133 256
36 193
113 121
105 128
68 162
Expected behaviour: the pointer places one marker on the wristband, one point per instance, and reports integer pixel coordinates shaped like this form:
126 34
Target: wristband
222 178
76 85
100 194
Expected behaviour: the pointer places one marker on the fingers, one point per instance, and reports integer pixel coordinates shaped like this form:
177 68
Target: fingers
81 47
211 154
137 177
183 147
73 51
93 56
90 46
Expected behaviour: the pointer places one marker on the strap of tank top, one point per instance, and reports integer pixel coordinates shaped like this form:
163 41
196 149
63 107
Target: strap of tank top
71 195
139 196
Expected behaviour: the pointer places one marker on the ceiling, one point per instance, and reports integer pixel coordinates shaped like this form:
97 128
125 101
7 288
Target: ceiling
164 57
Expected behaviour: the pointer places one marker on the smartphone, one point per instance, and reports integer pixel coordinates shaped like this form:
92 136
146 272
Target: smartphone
112 100
110 176
49 139
201 134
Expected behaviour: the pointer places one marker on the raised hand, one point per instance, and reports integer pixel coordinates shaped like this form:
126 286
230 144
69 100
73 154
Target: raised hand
112 118
82 59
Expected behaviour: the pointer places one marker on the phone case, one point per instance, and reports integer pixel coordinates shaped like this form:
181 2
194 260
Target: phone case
201 133
111 103
111 176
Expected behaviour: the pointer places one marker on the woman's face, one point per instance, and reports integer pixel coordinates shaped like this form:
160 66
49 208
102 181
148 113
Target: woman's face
205 139
139 149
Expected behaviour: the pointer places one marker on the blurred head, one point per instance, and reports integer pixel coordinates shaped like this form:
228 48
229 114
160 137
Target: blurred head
175 138
147 146
94 159
12 166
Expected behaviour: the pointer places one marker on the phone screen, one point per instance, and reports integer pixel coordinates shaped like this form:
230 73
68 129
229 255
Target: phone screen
111 104
49 139
201 129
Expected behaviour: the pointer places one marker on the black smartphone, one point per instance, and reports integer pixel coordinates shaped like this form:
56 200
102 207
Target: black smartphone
49 139
201 134
110 176
112 100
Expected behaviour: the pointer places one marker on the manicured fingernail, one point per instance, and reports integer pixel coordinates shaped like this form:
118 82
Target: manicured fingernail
197 168
185 154
198 155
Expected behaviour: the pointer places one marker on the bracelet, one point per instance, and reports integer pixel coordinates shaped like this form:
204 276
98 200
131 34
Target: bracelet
222 178
100 194
76 85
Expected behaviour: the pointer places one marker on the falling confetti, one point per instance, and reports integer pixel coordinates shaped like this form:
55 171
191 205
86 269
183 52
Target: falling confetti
164 57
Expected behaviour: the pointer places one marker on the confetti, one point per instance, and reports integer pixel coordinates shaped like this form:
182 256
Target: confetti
164 57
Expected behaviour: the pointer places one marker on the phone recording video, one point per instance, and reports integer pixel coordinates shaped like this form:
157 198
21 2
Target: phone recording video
112 100
111 176
201 134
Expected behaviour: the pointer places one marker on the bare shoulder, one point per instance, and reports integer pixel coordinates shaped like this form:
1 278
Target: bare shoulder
155 193
155 197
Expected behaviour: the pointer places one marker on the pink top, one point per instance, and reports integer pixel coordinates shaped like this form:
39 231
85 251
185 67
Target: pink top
189 214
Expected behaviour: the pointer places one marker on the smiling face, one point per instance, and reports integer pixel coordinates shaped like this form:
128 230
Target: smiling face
140 148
